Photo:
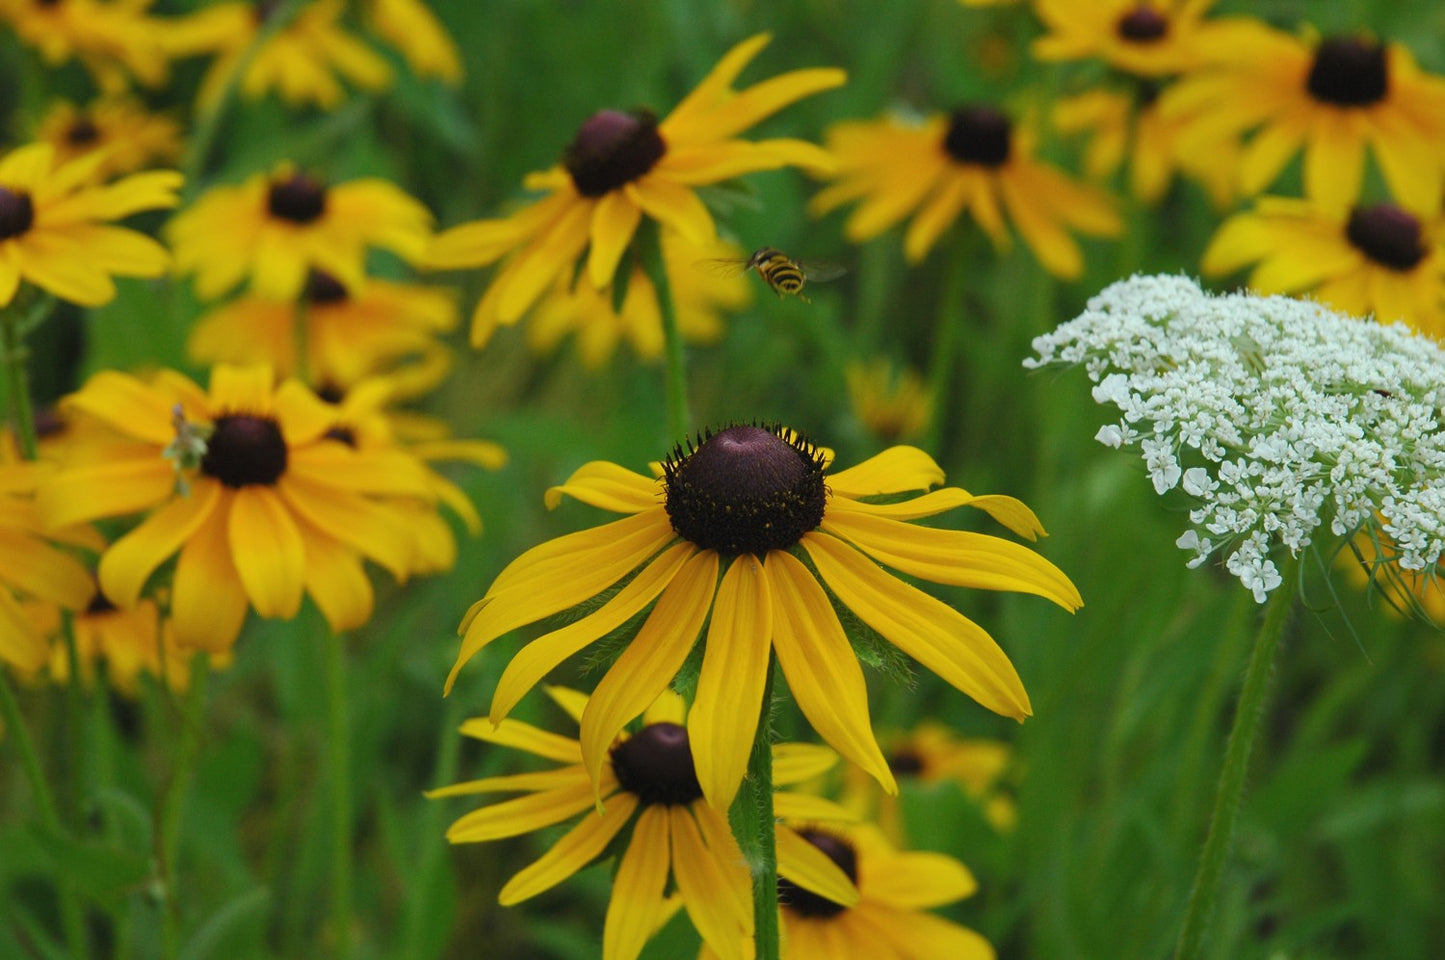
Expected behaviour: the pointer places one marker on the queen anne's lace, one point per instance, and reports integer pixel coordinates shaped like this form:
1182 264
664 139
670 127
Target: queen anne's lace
1276 415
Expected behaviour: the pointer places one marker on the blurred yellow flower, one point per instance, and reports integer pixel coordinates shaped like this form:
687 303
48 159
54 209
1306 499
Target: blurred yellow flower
699 298
622 165
248 484
412 27
1148 38
974 159
348 334
276 229
891 402
1335 98
53 231
131 137
1383 260
33 568
115 41
302 61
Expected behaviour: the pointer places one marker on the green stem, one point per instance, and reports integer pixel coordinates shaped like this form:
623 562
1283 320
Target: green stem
173 797
17 380
679 418
943 361
1248 713
751 817
338 761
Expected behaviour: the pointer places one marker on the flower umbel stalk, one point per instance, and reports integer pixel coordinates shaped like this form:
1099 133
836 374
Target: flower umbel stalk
15 322
679 418
1247 716
752 822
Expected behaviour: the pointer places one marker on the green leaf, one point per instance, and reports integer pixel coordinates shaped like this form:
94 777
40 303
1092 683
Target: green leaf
96 869
241 920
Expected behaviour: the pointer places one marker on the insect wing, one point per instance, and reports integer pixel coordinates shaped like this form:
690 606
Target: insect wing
821 271
725 266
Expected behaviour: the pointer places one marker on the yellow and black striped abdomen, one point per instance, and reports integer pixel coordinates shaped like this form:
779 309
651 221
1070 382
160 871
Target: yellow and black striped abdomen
779 272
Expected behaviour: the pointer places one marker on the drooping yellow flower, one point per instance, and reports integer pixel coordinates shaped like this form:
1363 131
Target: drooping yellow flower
648 780
54 230
892 403
348 334
1120 126
115 41
32 568
303 61
246 482
412 27
890 919
131 137
277 229
621 166
699 298
1383 259
974 159
1148 38
1335 99
724 529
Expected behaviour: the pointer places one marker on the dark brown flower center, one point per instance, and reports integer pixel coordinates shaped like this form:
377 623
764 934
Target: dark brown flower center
1387 235
806 902
979 134
322 287
298 198
17 213
244 450
100 604
82 133
905 762
613 148
1143 24
342 434
265 9
655 764
1349 72
745 489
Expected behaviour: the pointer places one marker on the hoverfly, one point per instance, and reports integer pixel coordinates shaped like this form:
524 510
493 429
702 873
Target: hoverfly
779 271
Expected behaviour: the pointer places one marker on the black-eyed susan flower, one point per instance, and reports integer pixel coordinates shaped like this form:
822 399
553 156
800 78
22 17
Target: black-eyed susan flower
896 889
750 525
54 231
623 165
1381 260
1335 99
348 334
33 568
276 229
415 31
649 795
131 137
1147 38
244 483
115 41
929 755
699 299
974 159
892 403
304 61
1130 126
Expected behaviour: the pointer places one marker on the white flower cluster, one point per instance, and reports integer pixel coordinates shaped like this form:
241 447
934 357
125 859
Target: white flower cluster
1277 415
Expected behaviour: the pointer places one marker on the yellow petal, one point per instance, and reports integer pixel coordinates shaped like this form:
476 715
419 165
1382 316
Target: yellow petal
512 818
607 486
523 736
208 605
812 869
652 659
570 853
638 889
822 670
934 634
895 470
614 220
919 880
714 885
268 552
131 560
735 667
